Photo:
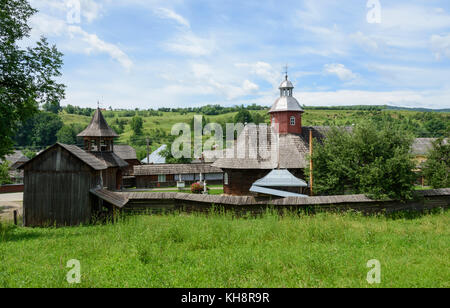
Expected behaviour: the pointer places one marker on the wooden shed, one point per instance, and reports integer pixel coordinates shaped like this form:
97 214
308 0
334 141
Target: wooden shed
57 187
60 182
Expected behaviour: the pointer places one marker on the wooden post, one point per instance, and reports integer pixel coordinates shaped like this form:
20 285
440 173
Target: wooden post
311 163
148 150
15 217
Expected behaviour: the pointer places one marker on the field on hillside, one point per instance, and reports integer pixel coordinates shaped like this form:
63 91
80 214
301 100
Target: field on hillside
217 250
158 127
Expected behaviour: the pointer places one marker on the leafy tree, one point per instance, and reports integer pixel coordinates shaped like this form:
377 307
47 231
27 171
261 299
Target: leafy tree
136 125
243 116
167 153
367 160
41 130
437 167
29 154
4 173
258 118
68 133
27 76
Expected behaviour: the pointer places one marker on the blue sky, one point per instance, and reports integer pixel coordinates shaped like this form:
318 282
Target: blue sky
150 53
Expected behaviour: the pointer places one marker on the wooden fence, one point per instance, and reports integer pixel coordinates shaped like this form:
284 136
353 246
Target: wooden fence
425 200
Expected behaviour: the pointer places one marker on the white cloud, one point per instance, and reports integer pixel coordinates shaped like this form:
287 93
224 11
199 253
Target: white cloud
263 70
74 39
441 46
90 10
341 71
249 86
170 14
190 44
95 45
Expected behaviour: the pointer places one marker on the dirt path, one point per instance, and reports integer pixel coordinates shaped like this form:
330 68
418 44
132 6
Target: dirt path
9 203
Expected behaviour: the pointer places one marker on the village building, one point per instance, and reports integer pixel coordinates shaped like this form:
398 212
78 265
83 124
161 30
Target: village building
156 156
128 154
98 140
286 134
167 175
15 160
60 183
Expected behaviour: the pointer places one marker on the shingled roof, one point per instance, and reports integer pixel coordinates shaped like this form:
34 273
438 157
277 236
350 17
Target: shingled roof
82 155
125 152
98 127
291 152
110 159
16 157
175 169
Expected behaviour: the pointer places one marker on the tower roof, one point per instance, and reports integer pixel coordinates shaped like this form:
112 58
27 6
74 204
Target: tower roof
286 102
280 178
286 84
98 127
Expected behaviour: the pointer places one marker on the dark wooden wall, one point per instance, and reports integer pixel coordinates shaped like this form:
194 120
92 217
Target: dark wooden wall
57 188
112 178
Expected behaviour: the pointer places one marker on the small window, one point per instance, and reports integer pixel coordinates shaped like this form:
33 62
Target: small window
292 121
225 178
162 178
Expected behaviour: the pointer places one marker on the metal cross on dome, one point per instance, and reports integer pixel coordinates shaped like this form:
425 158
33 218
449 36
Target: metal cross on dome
286 71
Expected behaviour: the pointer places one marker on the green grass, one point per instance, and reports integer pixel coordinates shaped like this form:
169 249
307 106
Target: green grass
324 250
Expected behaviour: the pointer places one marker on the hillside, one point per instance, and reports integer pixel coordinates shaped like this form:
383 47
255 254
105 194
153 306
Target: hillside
157 125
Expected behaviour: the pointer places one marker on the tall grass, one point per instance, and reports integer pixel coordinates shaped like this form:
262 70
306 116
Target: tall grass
220 250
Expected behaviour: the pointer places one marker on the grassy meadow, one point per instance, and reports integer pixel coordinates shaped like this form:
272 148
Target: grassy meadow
218 250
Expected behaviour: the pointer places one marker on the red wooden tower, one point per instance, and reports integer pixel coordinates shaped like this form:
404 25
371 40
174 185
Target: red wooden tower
286 111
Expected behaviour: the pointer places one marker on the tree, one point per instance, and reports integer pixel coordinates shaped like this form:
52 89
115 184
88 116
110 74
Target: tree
258 118
27 76
243 116
68 133
136 125
4 173
367 161
41 130
437 167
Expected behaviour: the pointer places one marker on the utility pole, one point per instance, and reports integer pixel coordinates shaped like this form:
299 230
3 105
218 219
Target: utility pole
311 163
148 150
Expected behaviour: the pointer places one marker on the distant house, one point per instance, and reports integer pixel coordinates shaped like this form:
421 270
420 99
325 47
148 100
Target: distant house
155 157
167 175
61 182
128 154
420 149
15 160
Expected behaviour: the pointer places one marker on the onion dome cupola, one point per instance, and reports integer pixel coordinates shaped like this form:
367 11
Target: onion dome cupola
286 112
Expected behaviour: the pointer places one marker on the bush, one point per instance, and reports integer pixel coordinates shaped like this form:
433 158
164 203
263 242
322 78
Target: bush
370 161
437 167
197 188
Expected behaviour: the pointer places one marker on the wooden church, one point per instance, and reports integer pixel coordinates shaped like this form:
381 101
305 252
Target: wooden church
60 180
286 132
